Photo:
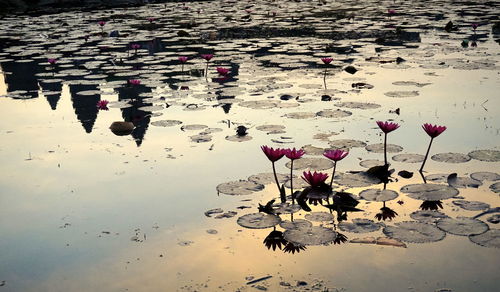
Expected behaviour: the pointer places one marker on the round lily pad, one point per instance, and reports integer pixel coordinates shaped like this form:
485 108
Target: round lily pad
311 163
241 187
258 220
429 192
462 226
286 208
494 219
369 163
401 94
296 224
310 236
408 158
313 150
375 195
485 155
355 180
451 157
259 104
471 205
346 143
201 138
358 105
379 148
485 175
271 128
300 115
237 138
359 226
166 123
463 182
268 178
437 178
194 127
319 216
330 113
416 232
495 187
490 238
427 216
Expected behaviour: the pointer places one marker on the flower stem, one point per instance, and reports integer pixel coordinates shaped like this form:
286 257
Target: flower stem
206 71
385 148
291 181
333 174
278 183
324 77
426 155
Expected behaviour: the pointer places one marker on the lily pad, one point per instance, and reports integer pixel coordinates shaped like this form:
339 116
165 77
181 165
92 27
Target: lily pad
310 236
451 157
311 163
346 144
379 148
238 138
416 232
355 180
296 224
408 158
369 163
485 175
471 205
427 216
490 238
401 94
463 182
268 178
319 216
359 226
495 187
300 115
258 220
485 155
166 123
286 208
238 188
429 192
376 195
329 113
358 105
462 226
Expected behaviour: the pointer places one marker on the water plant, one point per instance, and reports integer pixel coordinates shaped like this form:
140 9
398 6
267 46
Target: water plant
335 155
386 127
433 131
274 155
293 154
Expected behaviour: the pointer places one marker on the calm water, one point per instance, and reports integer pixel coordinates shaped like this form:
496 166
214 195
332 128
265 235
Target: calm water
83 209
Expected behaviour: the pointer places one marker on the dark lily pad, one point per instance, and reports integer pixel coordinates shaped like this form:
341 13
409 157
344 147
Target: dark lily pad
427 216
416 232
437 178
258 220
376 195
310 236
429 192
319 216
379 148
485 155
359 226
490 238
471 205
241 187
451 157
408 158
462 226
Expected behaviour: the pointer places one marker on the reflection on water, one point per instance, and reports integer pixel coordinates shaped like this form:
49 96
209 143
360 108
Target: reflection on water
88 210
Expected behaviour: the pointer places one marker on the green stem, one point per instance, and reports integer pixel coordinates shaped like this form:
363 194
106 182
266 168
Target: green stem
333 174
426 155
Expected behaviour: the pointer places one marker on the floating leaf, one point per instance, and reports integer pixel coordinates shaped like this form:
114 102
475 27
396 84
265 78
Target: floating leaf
485 155
376 195
319 216
427 216
241 187
490 238
416 232
462 226
471 205
359 226
451 157
258 220
408 158
429 192
310 236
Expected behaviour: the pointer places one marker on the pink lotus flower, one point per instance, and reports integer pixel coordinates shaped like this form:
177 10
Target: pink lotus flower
294 153
102 23
222 71
151 19
52 61
273 154
475 26
207 57
327 60
183 59
433 130
134 82
387 127
135 46
103 105
391 11
314 179
335 155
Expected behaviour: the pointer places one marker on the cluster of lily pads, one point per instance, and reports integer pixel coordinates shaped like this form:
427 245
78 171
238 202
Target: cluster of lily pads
430 224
